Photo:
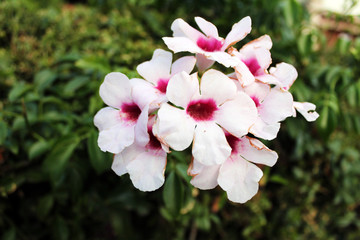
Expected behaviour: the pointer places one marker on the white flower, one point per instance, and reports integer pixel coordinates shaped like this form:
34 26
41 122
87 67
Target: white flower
238 175
203 116
125 117
209 47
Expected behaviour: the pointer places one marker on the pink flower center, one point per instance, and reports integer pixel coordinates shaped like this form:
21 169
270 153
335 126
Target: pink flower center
162 85
202 110
256 101
130 111
253 66
154 142
232 140
209 44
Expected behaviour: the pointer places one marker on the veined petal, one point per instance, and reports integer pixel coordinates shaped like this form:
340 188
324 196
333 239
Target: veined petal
181 88
255 151
185 64
277 106
238 32
239 178
181 28
174 127
121 160
206 178
222 57
210 146
237 115
307 110
181 44
115 89
147 170
285 73
116 138
106 118
157 68
207 27
265 131
216 85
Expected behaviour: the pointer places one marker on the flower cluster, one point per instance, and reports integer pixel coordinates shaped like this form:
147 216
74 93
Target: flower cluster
221 116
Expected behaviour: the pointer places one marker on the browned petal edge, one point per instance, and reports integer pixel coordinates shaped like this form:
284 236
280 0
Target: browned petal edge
191 165
264 147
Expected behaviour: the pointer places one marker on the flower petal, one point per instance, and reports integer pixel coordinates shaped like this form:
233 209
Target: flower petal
243 74
206 178
237 115
207 27
181 28
260 50
239 178
202 62
255 151
257 90
222 57
174 127
238 32
144 94
181 44
307 110
185 64
147 170
106 118
285 73
277 106
141 128
265 131
115 89
157 68
181 88
210 146
216 85
116 138
122 159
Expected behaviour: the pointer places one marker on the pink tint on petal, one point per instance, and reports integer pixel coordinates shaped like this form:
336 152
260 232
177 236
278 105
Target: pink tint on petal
162 85
153 142
209 44
202 110
256 101
253 66
232 140
130 112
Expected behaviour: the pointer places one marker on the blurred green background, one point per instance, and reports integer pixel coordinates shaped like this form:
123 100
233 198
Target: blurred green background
55 183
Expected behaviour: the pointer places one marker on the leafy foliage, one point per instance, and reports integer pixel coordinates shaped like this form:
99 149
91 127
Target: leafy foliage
56 183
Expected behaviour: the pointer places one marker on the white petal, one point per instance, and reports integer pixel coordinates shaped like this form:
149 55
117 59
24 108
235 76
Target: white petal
122 159
141 128
203 62
255 151
174 127
216 85
116 138
181 88
207 27
144 94
243 74
181 28
269 79
147 170
238 32
206 178
265 131
115 89
158 67
239 178
224 58
106 118
210 146
258 90
260 50
185 64
307 110
285 73
181 44
261 42
277 106
237 115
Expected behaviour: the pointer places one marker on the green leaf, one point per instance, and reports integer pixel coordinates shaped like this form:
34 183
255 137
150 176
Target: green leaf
3 132
99 160
44 205
173 194
9 234
181 169
55 162
44 79
38 148
75 84
18 91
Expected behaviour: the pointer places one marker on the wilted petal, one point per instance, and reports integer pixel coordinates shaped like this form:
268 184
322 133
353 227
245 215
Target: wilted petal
307 110
239 178
157 68
237 115
174 127
115 89
216 85
185 64
181 88
210 146
238 32
206 178
207 27
147 170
